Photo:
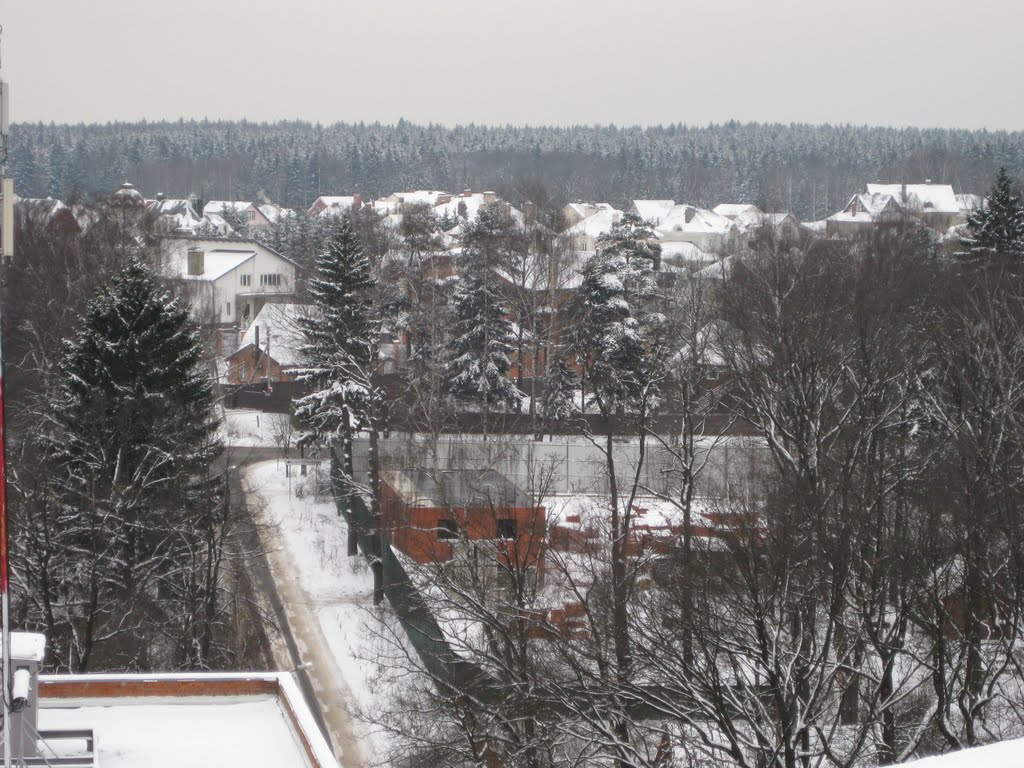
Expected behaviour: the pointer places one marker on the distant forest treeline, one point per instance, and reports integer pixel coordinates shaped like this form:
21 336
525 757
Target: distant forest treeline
810 170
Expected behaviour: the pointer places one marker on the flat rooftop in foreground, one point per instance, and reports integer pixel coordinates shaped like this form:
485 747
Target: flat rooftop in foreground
173 721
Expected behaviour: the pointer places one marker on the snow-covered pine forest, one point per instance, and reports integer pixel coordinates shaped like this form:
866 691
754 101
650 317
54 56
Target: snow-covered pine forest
807 169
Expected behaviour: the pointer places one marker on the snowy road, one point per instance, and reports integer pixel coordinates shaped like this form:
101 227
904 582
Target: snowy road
326 600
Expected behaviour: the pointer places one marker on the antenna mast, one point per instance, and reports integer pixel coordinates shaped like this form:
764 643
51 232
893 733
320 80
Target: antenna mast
7 243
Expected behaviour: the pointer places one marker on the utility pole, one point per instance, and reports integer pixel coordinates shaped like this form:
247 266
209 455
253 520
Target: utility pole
7 243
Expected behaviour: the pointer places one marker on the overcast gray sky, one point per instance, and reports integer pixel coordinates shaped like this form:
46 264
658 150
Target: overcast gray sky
890 62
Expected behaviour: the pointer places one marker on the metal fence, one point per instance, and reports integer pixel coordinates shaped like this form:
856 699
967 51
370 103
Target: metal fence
567 466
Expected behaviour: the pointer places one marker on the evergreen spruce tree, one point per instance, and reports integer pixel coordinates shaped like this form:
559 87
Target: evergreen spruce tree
133 400
130 432
341 344
341 350
479 342
559 402
998 227
633 240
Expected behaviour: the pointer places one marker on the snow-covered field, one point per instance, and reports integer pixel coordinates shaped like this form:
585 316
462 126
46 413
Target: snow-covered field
328 597
256 429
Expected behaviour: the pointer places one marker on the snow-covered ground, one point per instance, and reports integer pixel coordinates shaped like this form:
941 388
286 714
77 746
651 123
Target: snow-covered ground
1005 754
256 429
328 597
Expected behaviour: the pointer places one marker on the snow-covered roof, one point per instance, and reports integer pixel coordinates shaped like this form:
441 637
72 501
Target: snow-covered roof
217 262
127 193
583 210
280 334
969 203
334 205
219 206
678 252
595 225
937 198
179 212
395 200
691 219
867 208
652 515
218 222
169 720
754 219
718 271
39 209
733 210
474 201
1004 754
653 211
275 212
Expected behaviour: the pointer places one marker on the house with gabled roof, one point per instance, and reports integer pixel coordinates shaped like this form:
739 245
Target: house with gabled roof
226 282
393 203
176 215
691 224
335 205
574 213
652 211
271 345
254 217
733 211
864 211
934 205
584 234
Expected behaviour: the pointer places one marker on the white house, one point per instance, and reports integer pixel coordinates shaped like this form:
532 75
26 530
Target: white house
690 224
653 211
177 215
254 217
576 212
583 235
733 211
227 282
335 205
393 203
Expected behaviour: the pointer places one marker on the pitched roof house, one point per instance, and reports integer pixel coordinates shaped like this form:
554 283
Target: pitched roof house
226 281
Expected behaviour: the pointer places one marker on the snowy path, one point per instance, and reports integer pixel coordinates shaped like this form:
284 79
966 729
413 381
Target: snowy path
327 600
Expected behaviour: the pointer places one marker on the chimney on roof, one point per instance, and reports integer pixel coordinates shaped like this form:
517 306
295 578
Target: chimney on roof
903 192
529 212
490 197
927 181
467 192
159 197
357 202
196 261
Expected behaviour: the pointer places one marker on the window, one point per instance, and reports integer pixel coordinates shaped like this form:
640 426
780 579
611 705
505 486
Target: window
506 528
229 308
271 279
252 215
447 529
246 279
